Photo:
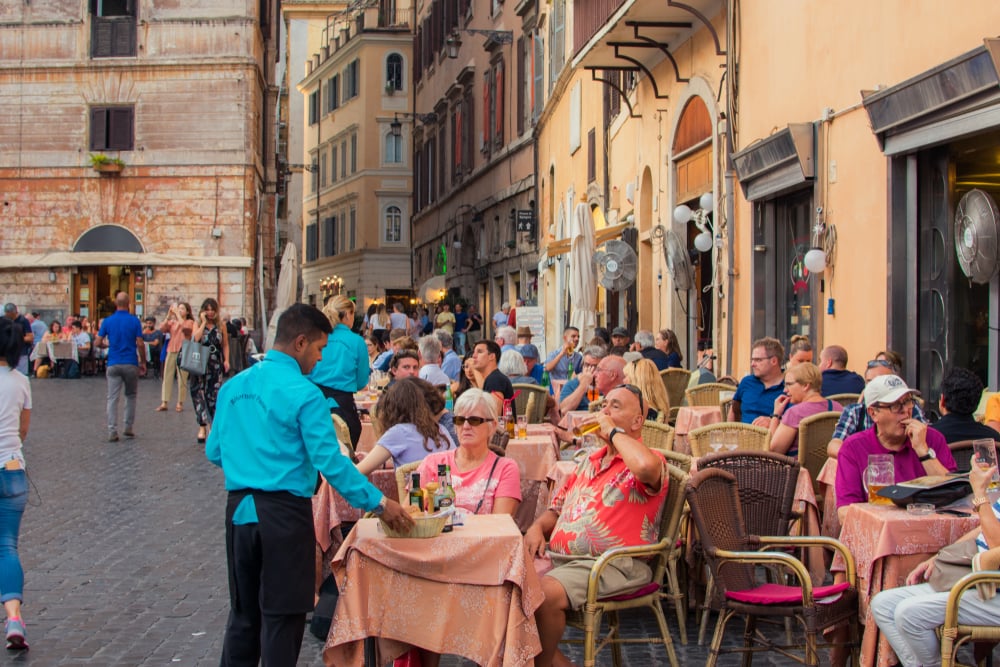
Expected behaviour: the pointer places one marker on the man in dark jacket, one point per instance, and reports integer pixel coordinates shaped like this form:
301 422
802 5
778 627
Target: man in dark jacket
836 378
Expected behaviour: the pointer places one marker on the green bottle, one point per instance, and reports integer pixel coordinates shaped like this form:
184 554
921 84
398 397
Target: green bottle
449 400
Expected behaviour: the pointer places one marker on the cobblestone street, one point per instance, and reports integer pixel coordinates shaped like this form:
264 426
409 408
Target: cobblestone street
122 542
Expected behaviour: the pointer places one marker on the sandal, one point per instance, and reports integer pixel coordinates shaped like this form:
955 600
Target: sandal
179 408
162 407
202 435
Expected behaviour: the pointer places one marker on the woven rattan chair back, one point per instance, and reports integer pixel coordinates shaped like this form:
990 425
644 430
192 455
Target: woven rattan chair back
675 381
678 460
749 437
766 486
961 451
343 433
815 432
403 476
844 399
706 394
713 497
530 402
658 436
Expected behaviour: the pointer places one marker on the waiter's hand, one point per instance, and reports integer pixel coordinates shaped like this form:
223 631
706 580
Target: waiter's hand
397 517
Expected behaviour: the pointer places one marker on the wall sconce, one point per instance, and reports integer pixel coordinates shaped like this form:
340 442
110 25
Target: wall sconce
683 215
52 276
149 272
824 240
454 41
396 127
456 243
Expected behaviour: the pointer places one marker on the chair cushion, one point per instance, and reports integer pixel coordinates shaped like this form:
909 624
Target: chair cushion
645 590
778 594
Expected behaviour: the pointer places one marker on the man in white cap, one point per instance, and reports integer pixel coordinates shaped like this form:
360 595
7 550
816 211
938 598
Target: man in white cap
915 450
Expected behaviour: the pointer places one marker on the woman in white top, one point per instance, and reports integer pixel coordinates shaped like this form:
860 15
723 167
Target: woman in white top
15 416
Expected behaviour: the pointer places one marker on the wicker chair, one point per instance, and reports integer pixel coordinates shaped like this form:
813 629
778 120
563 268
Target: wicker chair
706 394
596 406
531 402
954 634
658 436
343 435
734 556
662 557
677 459
750 437
766 485
815 432
675 381
403 476
844 399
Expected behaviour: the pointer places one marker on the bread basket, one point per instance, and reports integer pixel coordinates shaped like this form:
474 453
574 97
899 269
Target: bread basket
425 526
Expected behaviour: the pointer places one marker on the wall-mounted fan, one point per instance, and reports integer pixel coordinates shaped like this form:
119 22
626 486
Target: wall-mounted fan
977 234
617 265
676 257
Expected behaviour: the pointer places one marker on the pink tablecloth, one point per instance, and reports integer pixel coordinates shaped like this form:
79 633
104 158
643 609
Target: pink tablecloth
471 592
690 418
534 456
887 543
573 418
330 509
827 479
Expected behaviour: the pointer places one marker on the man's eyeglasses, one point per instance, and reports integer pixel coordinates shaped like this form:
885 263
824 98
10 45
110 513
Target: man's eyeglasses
897 408
880 362
760 360
474 421
638 394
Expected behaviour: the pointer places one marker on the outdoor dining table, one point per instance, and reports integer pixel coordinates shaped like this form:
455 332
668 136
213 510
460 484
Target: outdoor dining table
887 542
62 349
690 417
574 418
330 510
534 456
471 592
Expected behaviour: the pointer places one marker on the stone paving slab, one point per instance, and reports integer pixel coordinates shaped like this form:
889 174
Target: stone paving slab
123 543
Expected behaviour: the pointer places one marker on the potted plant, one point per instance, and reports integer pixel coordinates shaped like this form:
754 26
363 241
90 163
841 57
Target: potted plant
106 165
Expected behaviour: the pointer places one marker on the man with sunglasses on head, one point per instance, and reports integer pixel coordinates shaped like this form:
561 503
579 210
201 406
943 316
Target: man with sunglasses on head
916 451
753 402
612 500
855 418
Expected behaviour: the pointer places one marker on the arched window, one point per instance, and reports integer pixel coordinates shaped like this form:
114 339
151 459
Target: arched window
393 148
394 72
393 225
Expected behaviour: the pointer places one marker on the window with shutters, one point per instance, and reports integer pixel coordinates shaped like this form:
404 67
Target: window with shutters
112 28
351 82
333 164
557 41
393 148
418 179
354 227
330 236
314 107
538 73
111 128
322 170
332 93
342 229
394 72
591 156
312 242
393 225
343 158
498 104
354 153
523 84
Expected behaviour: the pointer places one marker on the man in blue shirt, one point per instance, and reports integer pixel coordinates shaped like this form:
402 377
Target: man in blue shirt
126 362
272 433
754 399
560 360
836 378
451 363
461 324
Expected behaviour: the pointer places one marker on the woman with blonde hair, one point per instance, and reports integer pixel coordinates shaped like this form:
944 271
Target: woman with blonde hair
644 375
380 320
803 385
179 324
344 368
800 351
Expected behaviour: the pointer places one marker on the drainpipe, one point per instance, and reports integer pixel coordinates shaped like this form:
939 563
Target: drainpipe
730 185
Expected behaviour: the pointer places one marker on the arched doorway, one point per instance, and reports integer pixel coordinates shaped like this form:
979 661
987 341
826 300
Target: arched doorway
694 175
98 277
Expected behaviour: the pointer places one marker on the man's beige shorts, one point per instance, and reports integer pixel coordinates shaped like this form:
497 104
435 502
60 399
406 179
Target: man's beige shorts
623 575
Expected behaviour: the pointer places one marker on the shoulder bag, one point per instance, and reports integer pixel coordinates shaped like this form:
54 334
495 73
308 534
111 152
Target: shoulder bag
951 564
194 357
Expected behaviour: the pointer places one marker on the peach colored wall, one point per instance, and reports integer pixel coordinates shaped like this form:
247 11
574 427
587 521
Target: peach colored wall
797 59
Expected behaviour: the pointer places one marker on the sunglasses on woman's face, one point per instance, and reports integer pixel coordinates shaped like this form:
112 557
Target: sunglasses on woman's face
473 421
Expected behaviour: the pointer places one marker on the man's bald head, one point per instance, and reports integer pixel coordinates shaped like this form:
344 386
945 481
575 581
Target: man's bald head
610 373
833 356
121 300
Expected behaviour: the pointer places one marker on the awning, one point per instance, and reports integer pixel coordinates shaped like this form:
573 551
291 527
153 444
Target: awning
774 165
66 258
430 291
561 247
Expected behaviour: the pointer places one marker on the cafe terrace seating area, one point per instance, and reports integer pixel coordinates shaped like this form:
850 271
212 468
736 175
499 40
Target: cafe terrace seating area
746 545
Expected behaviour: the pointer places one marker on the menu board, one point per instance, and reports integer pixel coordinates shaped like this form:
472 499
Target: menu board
532 316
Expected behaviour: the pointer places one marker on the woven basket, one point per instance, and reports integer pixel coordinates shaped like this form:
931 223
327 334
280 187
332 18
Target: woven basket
424 527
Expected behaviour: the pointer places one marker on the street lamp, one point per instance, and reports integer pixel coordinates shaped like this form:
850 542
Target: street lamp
454 41
396 127
683 215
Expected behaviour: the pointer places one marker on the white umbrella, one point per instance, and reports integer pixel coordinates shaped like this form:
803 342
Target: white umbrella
430 291
582 273
286 292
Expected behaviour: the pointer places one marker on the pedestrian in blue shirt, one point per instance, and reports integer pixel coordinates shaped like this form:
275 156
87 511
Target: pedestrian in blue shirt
755 395
126 362
271 436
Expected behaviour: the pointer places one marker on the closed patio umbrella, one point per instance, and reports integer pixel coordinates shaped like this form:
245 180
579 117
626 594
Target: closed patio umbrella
286 292
582 273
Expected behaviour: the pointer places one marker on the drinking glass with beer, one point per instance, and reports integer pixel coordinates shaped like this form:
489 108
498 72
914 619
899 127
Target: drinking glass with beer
879 474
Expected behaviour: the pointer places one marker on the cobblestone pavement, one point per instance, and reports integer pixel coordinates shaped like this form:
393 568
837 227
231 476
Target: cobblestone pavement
123 543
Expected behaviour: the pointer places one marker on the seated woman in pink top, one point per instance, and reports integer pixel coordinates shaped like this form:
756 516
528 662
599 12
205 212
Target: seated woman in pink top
484 482
802 398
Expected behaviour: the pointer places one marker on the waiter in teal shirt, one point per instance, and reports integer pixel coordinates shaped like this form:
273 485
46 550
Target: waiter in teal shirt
272 433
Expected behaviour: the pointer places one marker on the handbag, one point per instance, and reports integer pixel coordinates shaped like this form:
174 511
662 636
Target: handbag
937 490
194 357
951 564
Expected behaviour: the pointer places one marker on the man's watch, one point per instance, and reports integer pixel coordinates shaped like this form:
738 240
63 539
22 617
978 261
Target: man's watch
615 431
380 508
931 454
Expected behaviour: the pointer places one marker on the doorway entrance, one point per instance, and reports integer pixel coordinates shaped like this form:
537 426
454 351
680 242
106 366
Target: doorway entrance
95 287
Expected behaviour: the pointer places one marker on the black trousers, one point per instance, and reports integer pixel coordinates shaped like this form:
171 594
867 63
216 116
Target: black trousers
347 411
271 578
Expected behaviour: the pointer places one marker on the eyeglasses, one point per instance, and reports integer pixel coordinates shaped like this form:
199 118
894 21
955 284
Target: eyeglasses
760 360
638 394
792 384
473 421
879 362
897 408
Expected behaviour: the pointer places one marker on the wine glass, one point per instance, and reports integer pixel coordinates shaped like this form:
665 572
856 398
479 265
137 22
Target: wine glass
381 379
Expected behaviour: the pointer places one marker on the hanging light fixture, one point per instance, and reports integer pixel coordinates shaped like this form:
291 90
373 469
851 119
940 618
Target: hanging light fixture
683 214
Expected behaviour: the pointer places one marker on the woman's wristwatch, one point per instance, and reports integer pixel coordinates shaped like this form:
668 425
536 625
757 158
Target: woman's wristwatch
979 501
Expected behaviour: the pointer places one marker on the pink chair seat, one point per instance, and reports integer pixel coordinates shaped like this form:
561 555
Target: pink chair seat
778 594
645 590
